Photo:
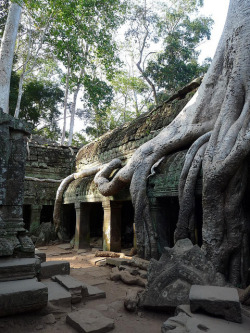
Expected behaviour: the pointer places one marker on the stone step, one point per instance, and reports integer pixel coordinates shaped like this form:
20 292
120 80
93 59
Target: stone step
72 285
57 295
21 296
12 269
51 268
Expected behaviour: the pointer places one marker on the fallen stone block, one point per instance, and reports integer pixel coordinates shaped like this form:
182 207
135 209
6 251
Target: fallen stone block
90 321
65 246
72 285
41 255
117 261
115 274
131 270
51 268
132 299
140 263
57 295
21 296
18 268
186 321
217 301
127 278
92 292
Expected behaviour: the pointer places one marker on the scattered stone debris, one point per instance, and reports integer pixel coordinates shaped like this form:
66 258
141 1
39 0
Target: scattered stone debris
127 277
117 261
51 268
218 301
170 278
90 321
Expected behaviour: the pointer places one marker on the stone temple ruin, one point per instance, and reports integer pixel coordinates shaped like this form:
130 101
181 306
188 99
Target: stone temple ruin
27 197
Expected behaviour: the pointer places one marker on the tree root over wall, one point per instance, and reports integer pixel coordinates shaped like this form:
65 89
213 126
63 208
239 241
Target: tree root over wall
216 124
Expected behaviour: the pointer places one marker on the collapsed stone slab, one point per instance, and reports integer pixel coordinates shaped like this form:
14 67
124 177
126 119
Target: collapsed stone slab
92 292
18 268
51 268
170 278
90 321
57 295
218 301
21 296
72 285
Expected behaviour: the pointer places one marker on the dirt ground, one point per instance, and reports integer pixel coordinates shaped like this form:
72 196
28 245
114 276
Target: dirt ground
83 267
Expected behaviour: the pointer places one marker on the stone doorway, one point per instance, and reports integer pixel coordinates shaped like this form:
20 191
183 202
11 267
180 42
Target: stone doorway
27 216
127 220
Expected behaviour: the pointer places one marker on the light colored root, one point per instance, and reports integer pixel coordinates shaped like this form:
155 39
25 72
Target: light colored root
64 184
186 222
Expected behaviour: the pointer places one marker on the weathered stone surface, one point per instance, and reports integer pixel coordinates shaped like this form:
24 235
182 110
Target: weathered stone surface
18 268
90 321
57 295
72 285
140 263
92 292
170 278
51 268
117 261
21 296
218 301
185 322
46 233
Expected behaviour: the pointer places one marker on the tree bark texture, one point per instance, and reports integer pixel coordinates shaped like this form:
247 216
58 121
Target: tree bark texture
216 125
7 52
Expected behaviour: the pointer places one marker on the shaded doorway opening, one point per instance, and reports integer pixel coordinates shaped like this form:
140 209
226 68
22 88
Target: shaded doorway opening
47 214
167 220
27 216
96 216
68 218
127 220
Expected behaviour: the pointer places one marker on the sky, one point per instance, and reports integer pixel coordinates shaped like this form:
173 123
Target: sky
217 9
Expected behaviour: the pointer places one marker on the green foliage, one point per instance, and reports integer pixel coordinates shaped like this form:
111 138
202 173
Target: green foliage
178 63
40 102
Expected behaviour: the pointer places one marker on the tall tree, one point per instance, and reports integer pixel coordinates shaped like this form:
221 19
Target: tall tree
175 26
7 53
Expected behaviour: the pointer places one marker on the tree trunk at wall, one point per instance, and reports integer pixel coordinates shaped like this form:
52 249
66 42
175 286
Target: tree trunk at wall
221 106
7 53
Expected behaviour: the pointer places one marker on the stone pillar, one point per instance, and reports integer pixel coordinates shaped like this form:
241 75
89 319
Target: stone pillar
35 217
112 226
13 236
160 224
82 232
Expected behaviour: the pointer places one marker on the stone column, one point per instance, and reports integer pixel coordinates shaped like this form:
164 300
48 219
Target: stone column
82 232
13 236
160 223
112 226
35 217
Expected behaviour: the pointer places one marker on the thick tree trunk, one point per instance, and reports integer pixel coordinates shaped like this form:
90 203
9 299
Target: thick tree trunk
65 102
221 106
7 53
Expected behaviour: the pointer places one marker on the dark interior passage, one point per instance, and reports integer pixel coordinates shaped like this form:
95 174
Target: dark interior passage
127 220
26 216
68 219
47 214
96 219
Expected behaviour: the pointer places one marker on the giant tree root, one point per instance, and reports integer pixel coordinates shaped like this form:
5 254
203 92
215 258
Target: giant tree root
221 106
